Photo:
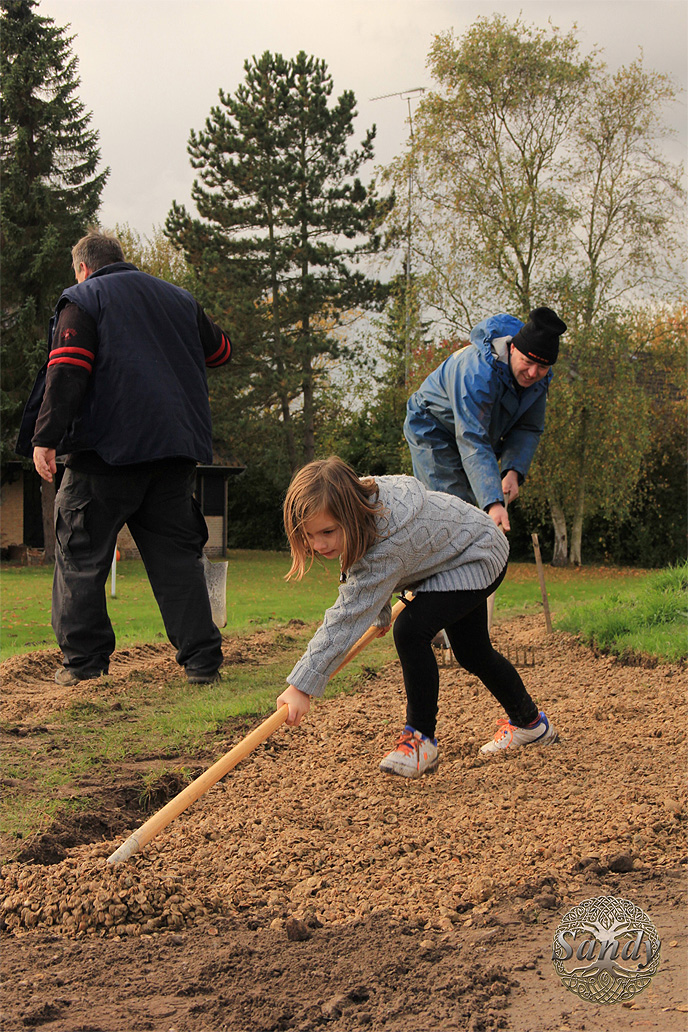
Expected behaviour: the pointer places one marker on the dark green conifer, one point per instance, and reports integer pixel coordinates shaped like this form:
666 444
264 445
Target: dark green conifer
50 190
284 217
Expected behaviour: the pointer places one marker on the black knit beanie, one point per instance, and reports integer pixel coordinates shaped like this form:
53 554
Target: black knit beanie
539 337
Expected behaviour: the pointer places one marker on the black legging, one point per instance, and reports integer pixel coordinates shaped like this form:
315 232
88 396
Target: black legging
463 615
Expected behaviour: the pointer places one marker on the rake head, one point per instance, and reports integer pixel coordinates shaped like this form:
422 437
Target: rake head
518 655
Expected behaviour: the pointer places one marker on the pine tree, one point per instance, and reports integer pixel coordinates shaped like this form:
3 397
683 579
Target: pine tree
283 216
50 190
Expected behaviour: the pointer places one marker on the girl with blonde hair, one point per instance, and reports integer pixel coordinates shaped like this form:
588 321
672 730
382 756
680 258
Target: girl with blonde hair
391 534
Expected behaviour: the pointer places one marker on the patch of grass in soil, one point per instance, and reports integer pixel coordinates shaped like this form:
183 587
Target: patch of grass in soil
32 817
77 822
169 728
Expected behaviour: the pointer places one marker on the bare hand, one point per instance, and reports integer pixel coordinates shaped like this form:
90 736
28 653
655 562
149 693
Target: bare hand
382 631
298 702
510 486
44 461
498 513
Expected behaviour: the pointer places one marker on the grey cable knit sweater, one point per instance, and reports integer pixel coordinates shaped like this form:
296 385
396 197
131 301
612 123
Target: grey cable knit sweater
429 541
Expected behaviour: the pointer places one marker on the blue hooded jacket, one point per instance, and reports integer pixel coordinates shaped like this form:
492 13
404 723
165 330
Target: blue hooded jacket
473 402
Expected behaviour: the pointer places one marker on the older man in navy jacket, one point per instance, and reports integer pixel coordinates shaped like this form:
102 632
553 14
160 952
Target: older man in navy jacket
124 398
475 422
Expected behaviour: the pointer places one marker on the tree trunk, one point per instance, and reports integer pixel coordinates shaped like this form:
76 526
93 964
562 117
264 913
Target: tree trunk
307 379
579 505
289 432
48 511
308 419
279 357
577 524
305 334
560 557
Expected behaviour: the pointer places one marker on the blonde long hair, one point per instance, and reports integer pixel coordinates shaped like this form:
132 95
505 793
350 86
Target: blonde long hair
330 485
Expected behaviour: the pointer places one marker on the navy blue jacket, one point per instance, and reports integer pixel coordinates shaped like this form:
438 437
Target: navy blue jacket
147 394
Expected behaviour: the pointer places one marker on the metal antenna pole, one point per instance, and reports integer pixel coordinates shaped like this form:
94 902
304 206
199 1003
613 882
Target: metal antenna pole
407 341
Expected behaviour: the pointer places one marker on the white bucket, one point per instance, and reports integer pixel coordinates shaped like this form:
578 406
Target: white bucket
216 581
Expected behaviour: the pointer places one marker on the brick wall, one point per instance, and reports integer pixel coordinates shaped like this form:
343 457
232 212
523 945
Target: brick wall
128 549
12 514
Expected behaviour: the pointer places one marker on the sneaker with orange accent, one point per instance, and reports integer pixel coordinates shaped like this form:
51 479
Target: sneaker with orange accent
414 754
509 736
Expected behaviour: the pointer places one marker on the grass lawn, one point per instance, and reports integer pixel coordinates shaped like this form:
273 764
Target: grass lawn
258 596
651 620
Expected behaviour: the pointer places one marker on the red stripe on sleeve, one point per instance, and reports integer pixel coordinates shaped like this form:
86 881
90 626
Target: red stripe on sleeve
222 353
71 351
71 361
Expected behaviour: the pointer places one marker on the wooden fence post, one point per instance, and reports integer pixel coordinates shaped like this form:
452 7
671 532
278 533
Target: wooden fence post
541 578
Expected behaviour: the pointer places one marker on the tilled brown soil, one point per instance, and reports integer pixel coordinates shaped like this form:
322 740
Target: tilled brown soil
309 891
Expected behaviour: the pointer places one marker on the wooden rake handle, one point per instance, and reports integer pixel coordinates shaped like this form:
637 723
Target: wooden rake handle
491 598
196 789
212 775
370 635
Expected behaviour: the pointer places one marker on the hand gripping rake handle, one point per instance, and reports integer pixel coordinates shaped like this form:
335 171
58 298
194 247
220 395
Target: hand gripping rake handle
212 775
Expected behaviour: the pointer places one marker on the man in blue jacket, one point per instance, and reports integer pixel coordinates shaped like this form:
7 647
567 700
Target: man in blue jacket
124 398
475 422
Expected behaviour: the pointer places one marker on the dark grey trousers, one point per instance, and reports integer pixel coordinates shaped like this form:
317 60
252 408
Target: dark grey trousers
169 530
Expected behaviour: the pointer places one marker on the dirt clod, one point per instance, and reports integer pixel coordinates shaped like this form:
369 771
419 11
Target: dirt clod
297 931
622 863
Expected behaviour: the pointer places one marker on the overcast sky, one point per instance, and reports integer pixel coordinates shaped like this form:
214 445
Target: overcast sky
151 69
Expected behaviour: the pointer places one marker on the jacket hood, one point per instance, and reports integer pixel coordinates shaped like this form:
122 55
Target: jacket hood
500 349
494 331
